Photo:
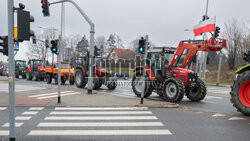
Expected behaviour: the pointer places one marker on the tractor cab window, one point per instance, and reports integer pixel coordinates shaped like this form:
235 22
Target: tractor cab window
38 63
99 62
20 64
180 59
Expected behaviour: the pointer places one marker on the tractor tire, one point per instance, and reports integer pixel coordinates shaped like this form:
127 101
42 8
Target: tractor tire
41 78
48 78
36 76
160 93
56 79
198 93
137 87
240 93
111 84
173 89
28 75
99 85
24 76
80 79
62 81
72 80
17 74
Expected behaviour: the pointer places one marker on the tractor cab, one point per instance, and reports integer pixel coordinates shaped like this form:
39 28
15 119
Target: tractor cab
20 67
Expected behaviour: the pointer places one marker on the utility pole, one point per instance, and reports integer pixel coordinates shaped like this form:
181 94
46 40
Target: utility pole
144 69
205 37
219 69
12 131
59 58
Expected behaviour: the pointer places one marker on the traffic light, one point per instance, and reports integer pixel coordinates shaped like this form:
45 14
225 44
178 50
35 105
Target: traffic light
45 6
4 44
23 25
247 57
141 48
217 31
54 46
96 52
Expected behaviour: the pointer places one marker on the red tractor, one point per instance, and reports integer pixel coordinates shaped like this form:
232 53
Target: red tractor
35 70
101 75
172 80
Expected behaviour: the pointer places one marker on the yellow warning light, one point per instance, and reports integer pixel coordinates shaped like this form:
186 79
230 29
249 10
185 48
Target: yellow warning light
149 45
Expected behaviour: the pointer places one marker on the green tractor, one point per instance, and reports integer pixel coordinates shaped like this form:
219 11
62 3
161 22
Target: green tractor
240 91
20 70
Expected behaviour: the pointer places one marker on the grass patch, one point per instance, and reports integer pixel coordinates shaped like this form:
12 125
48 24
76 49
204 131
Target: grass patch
226 78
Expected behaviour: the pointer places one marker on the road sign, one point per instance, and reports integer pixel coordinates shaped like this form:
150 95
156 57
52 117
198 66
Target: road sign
16 47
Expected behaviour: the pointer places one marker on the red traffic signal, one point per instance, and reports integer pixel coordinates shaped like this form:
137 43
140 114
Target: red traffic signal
45 7
4 44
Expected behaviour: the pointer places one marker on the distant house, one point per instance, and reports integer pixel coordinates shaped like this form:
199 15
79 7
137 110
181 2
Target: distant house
119 53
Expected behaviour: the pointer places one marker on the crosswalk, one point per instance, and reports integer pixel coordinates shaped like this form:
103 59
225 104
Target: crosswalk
89 121
53 95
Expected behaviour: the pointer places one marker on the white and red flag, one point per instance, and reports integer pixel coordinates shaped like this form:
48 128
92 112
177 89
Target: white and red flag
205 26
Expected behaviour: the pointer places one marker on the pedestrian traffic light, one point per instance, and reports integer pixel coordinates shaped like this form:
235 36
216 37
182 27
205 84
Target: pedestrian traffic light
96 51
4 44
217 31
23 25
141 48
54 46
45 7
247 57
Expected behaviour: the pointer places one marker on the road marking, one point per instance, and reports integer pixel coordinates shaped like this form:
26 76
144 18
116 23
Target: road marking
218 115
100 108
97 132
23 118
30 113
101 113
17 124
237 118
49 94
4 133
101 118
36 108
98 124
45 97
3 108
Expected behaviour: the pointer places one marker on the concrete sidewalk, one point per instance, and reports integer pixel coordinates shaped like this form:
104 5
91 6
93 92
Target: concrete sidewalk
81 99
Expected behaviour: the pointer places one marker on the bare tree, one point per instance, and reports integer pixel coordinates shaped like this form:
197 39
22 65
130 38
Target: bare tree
101 43
38 50
235 36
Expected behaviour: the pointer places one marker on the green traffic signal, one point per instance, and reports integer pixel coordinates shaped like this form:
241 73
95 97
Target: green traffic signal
141 48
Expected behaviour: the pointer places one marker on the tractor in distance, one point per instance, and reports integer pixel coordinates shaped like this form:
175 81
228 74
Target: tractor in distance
175 79
35 70
100 76
240 90
20 67
66 73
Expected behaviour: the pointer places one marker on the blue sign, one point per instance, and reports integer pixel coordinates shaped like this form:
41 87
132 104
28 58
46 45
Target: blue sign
16 48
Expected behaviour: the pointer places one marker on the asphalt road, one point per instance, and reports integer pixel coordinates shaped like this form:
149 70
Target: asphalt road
214 118
124 124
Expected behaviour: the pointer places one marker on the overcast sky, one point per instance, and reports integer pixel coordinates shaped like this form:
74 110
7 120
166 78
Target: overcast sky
163 20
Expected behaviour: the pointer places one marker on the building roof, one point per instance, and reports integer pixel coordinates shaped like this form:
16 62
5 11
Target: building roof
122 53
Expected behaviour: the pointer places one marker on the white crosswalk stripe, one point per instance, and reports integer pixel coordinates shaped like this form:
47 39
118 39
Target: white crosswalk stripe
4 133
17 124
30 113
36 108
64 120
52 95
3 108
23 118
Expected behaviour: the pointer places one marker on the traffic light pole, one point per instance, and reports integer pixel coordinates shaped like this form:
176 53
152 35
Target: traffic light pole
92 37
144 69
12 132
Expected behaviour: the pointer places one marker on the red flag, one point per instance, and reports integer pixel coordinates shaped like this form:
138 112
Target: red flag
205 26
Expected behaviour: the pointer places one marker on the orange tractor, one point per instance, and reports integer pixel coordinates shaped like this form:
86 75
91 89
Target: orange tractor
173 79
66 73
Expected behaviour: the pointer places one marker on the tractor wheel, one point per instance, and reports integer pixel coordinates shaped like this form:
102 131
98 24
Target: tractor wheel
17 74
99 85
137 85
160 93
95 83
23 76
48 78
41 78
72 80
80 79
240 93
28 75
62 80
173 89
111 84
36 76
56 79
197 93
